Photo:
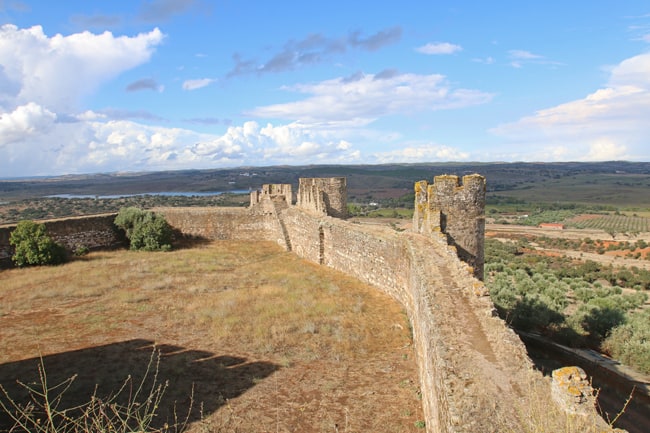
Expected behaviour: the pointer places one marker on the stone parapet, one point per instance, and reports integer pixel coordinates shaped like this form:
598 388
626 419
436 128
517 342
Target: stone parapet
276 191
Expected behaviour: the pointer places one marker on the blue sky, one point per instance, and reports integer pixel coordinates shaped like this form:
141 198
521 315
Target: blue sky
110 86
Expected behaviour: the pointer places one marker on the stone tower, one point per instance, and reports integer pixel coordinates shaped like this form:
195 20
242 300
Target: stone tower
458 211
327 195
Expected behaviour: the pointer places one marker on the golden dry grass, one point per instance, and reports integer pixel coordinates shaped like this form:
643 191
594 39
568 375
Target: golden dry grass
271 342
539 415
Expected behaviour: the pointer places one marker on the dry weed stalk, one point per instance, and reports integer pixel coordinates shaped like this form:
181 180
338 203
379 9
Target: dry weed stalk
44 414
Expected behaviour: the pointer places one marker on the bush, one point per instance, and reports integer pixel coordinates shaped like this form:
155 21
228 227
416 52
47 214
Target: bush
145 230
33 246
80 250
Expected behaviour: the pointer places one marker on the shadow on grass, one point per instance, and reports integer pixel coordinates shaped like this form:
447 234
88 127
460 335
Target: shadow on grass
102 370
183 241
179 242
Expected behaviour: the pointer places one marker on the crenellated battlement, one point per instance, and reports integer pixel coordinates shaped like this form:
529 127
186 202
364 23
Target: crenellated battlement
457 210
282 191
325 196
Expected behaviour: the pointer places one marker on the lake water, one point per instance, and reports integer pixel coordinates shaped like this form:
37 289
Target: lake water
163 193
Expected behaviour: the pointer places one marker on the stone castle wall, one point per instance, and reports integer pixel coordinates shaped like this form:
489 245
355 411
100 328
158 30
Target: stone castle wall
436 289
444 302
219 223
304 232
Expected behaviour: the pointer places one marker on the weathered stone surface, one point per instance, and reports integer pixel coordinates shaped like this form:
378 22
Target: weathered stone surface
272 190
572 391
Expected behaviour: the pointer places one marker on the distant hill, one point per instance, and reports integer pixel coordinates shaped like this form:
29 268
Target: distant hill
615 182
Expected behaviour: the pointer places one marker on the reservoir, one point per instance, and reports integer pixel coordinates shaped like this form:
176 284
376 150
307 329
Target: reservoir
162 193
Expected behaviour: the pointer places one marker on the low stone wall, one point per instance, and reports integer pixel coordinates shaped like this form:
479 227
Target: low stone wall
213 223
5 248
377 257
243 224
303 230
92 232
96 232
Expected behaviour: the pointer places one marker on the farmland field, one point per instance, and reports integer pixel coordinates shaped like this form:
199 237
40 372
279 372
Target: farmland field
611 223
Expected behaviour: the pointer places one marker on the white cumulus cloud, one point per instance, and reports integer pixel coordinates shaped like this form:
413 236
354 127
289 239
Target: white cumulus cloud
95 145
605 149
282 144
421 153
610 123
56 72
25 121
43 80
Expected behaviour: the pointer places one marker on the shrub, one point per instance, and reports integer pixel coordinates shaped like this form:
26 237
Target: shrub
80 250
145 230
33 246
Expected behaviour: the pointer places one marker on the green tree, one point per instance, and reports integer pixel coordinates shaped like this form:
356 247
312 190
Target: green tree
629 342
145 230
33 246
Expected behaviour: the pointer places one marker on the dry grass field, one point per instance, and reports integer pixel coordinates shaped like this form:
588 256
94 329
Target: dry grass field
266 342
